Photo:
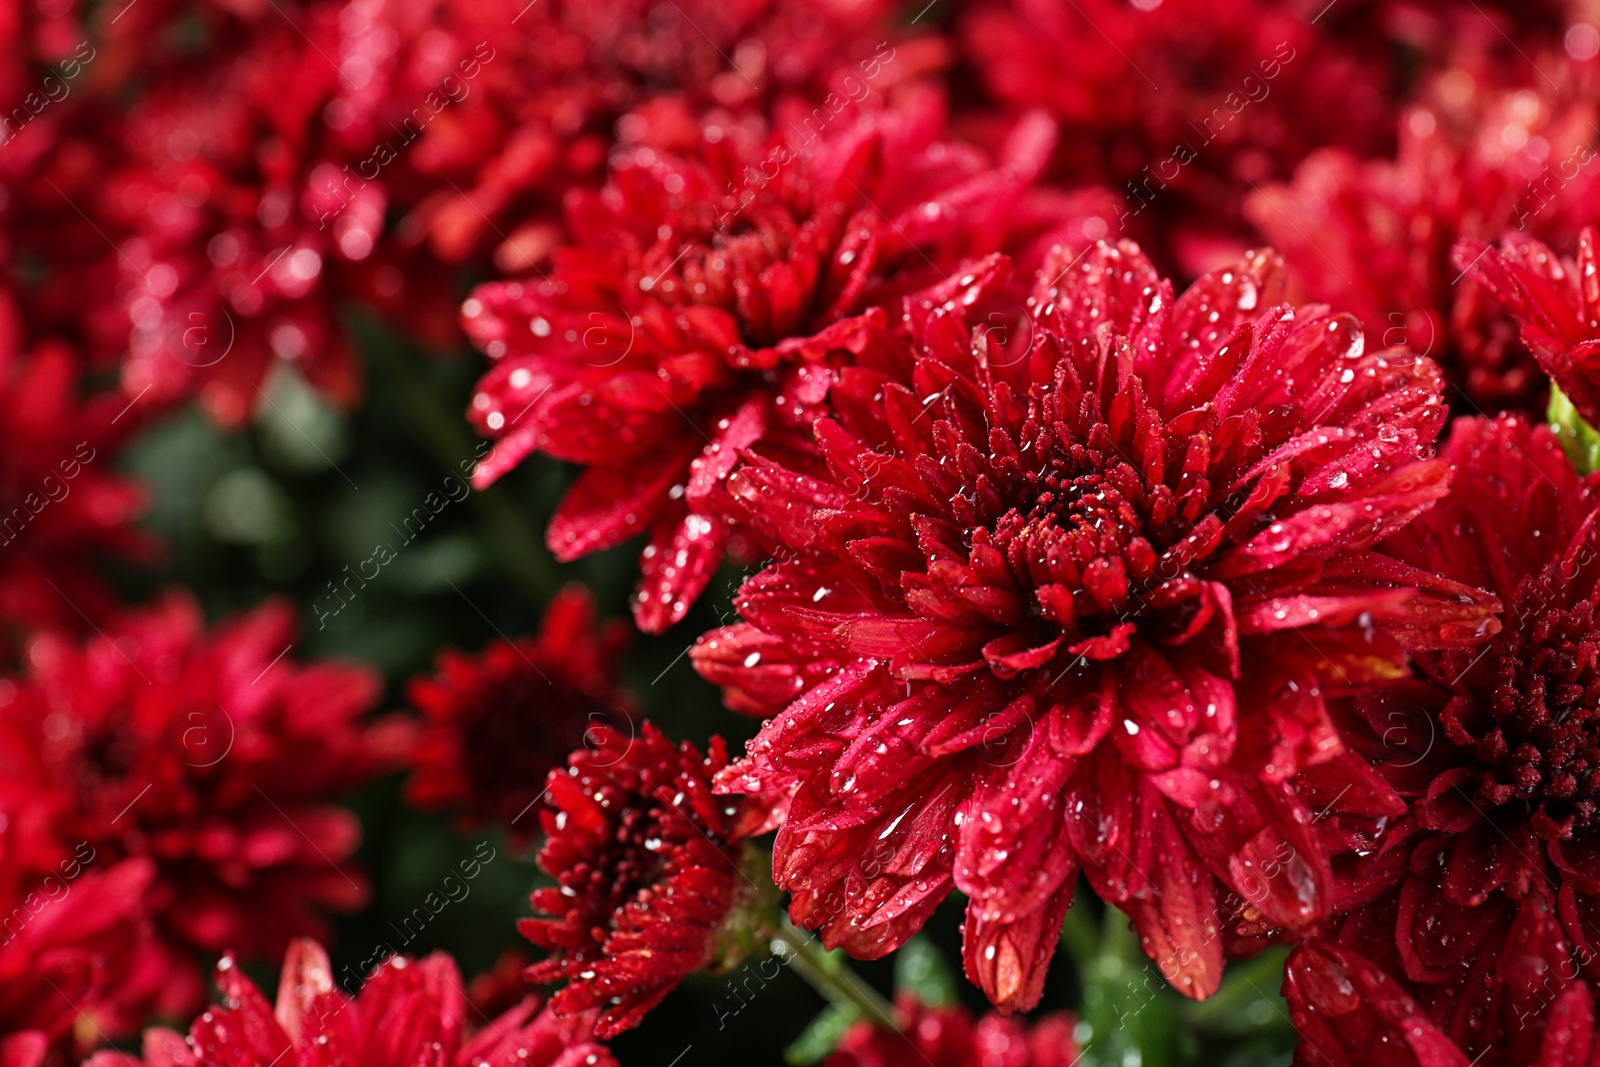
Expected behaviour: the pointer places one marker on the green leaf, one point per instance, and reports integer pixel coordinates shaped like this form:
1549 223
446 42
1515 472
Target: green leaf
920 969
1580 440
821 1037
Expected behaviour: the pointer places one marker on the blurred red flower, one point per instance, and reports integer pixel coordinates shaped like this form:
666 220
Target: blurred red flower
77 960
1181 105
496 723
224 269
61 503
567 79
211 753
1377 235
60 134
949 1037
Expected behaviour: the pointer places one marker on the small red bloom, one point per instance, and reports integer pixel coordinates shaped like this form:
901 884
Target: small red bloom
1377 235
408 1013
648 868
709 303
1076 609
215 755
1556 301
950 1037
1484 900
61 502
498 722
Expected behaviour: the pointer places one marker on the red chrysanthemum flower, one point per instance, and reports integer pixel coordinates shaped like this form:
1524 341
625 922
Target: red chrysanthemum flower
1377 235
648 868
1557 302
495 724
255 199
1351 1014
1181 105
1485 898
61 503
1076 610
950 1037
212 753
708 306
77 966
223 271
408 1013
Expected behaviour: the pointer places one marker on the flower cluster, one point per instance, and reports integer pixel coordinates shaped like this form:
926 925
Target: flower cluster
1143 454
710 300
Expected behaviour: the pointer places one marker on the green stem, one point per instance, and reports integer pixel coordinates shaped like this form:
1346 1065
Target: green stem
1580 440
828 976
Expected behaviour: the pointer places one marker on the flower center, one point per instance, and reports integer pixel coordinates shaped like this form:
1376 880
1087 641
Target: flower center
1538 733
